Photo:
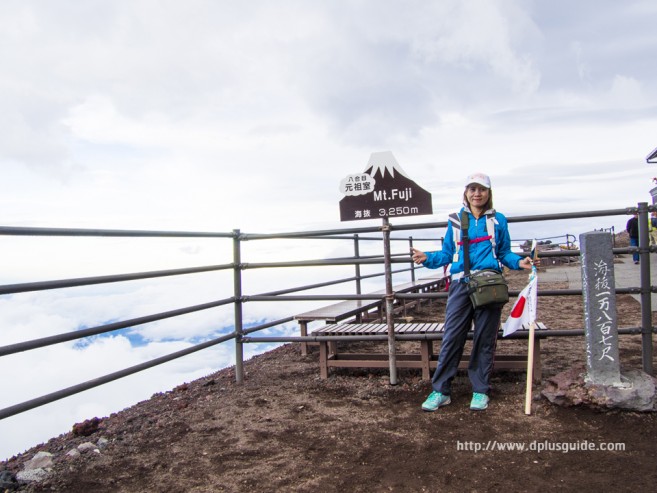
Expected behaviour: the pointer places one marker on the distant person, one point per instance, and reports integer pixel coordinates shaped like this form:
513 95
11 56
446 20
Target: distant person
460 313
632 228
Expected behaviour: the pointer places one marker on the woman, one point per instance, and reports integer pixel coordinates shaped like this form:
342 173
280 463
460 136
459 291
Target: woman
460 314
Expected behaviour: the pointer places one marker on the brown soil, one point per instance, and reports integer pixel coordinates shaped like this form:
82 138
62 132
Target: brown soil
285 429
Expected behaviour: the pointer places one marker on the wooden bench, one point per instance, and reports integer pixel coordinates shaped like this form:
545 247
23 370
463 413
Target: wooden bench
361 310
329 357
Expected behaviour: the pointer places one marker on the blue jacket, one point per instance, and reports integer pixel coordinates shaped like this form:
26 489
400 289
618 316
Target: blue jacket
481 253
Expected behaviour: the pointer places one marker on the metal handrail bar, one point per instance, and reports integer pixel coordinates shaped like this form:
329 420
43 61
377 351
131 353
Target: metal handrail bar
88 281
567 236
102 329
541 217
17 288
327 283
545 238
512 293
520 334
360 257
274 323
314 297
411 296
317 263
442 224
123 233
366 238
379 256
572 215
30 231
397 258
301 234
96 382
342 231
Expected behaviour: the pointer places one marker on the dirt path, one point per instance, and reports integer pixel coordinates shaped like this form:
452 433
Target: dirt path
287 430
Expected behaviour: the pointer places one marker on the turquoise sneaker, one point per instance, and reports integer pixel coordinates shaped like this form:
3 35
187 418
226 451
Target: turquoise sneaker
479 402
436 400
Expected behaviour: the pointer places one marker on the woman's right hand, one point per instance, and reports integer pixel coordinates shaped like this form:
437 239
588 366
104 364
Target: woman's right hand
418 256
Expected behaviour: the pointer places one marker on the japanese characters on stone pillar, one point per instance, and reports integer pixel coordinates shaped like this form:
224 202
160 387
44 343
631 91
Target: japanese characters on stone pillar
600 318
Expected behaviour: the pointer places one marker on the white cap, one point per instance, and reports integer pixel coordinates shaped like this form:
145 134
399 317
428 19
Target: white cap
478 178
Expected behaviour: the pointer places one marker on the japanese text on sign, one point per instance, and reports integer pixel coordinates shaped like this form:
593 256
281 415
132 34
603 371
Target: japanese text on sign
604 322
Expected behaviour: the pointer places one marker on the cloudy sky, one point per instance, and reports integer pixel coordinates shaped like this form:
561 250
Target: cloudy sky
214 115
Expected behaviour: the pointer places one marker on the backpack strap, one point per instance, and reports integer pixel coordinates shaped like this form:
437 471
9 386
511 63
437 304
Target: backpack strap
490 228
456 232
465 224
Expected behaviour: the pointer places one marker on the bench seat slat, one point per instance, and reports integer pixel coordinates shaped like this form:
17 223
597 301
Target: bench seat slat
379 328
374 329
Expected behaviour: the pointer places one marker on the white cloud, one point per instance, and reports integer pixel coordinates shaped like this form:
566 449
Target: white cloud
627 92
213 116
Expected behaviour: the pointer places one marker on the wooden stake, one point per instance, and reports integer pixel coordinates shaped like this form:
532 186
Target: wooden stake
530 346
530 370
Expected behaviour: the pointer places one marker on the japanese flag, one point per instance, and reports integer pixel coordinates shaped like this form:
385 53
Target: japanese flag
524 310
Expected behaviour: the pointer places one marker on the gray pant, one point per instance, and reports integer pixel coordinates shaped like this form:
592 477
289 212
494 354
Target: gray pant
459 316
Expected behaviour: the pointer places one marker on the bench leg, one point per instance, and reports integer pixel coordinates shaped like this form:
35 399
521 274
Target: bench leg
323 359
303 328
425 356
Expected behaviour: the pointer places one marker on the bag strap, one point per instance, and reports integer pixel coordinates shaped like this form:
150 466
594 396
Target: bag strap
456 233
465 224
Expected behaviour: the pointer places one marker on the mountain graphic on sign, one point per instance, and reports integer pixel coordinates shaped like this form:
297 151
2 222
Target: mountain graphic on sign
383 163
394 193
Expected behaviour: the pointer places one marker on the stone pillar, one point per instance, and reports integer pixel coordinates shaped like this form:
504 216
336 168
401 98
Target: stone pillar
602 386
600 318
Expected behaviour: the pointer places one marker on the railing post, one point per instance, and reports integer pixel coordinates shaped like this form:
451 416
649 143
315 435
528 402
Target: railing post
570 244
357 255
237 283
410 244
646 297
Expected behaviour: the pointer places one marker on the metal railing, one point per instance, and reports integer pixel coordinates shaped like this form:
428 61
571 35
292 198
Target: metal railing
241 335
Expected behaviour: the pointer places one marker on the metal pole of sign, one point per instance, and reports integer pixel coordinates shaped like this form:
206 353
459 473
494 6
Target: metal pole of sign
392 355
357 255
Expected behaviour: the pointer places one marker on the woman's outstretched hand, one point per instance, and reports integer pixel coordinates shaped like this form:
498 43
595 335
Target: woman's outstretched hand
526 263
418 256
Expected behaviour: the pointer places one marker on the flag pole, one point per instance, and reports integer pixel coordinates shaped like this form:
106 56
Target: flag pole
530 346
530 370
